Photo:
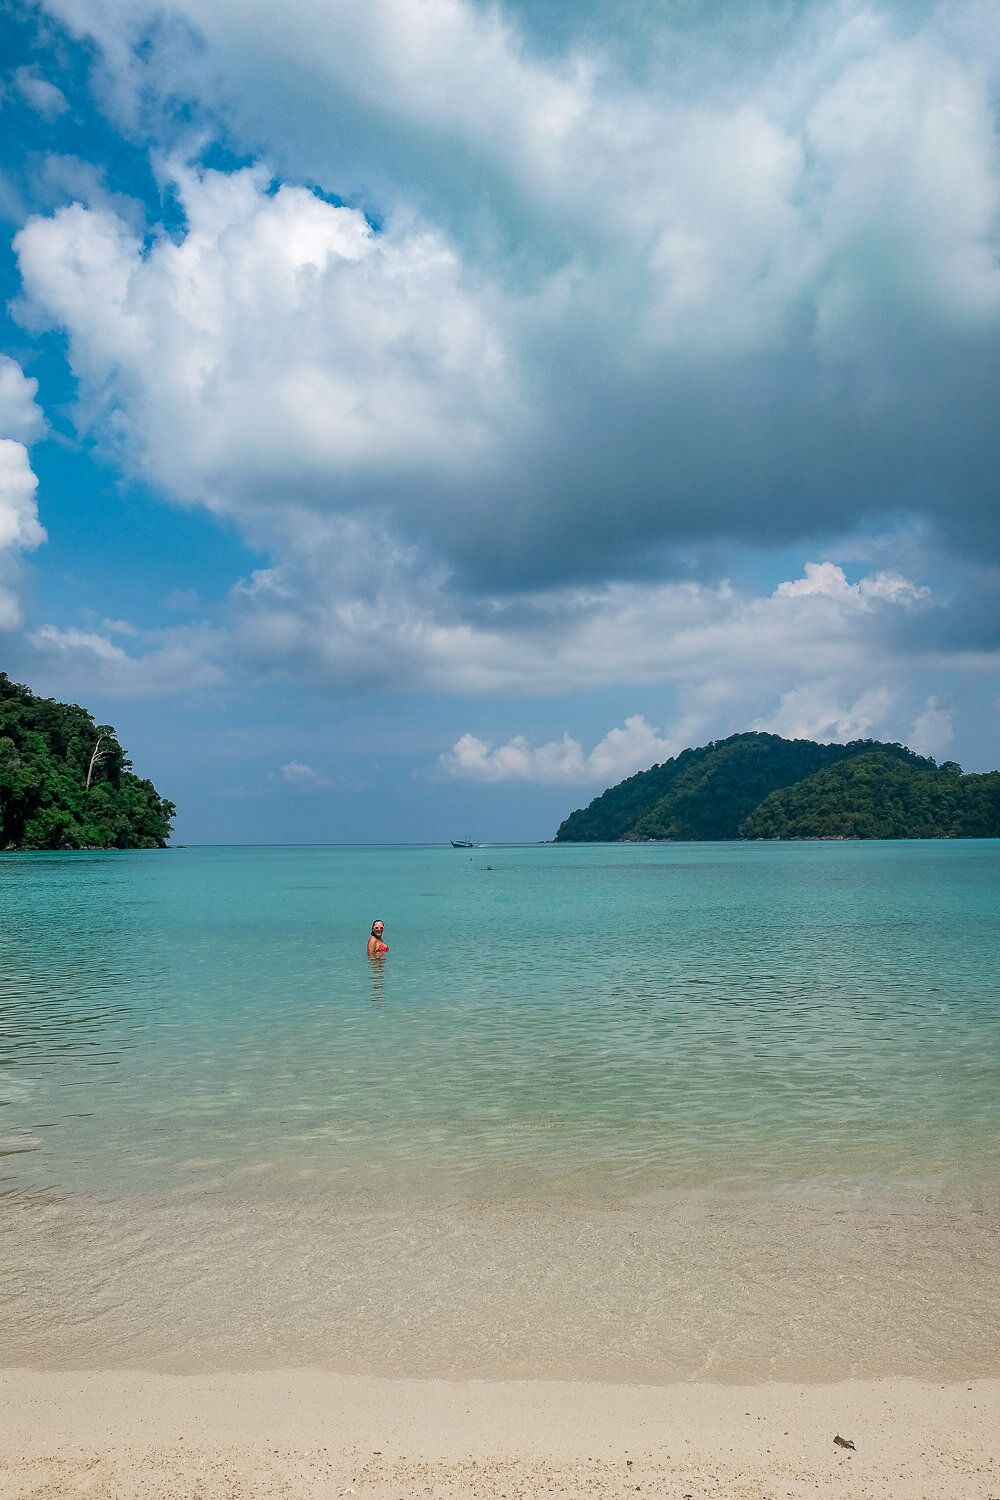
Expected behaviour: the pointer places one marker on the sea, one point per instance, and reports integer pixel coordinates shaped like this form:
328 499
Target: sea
643 1112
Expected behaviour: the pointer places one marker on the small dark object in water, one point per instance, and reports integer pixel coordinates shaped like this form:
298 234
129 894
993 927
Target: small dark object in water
844 1442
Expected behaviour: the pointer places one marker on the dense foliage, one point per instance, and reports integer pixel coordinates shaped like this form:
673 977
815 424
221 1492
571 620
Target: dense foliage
66 782
741 787
876 796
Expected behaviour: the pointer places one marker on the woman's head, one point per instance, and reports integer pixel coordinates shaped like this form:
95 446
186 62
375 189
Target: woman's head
378 927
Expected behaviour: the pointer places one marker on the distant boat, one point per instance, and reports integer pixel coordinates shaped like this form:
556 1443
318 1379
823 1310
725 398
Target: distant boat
462 844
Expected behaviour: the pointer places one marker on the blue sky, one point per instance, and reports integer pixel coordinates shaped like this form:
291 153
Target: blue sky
415 418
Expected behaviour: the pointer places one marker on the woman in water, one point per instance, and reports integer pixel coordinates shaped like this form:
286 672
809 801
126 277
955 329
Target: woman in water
375 943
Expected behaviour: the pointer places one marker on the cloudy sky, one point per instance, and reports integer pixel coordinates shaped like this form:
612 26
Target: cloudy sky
417 416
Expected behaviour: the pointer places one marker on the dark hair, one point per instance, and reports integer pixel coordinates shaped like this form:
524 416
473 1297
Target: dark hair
377 922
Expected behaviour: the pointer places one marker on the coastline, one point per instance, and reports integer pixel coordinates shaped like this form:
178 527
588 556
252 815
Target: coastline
693 1287
309 1433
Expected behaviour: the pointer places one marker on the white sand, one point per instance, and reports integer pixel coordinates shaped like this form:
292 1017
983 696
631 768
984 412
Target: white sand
306 1433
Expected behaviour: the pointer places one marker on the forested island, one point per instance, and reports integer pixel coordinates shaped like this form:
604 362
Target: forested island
760 786
66 782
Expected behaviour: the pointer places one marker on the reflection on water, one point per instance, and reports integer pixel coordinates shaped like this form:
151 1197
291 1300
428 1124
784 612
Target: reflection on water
192 1048
376 965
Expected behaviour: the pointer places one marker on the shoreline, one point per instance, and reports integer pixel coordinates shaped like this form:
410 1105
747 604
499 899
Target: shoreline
310 1433
690 1288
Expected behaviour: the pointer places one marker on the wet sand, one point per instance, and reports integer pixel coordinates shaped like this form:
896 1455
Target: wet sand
733 1289
305 1433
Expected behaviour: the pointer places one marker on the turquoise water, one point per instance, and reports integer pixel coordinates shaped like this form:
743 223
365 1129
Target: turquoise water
195 1039
607 1019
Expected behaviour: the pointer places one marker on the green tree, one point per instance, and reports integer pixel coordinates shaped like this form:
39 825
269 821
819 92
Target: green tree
880 796
66 782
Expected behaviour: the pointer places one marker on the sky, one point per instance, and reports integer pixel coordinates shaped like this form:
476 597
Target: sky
417 417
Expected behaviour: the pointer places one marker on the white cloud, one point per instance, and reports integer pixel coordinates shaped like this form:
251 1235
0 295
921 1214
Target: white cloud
276 345
21 421
933 731
812 712
633 747
20 415
728 654
830 581
58 179
180 661
402 628
906 133
298 773
77 642
42 95
19 525
20 528
10 607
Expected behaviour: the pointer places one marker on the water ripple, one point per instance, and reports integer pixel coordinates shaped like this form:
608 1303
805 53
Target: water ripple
591 1027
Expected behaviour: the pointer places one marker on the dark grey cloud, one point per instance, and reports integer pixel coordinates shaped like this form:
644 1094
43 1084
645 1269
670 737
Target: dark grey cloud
964 621
741 266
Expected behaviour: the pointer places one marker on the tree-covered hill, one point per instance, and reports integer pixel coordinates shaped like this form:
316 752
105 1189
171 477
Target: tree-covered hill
878 796
716 792
66 782
710 798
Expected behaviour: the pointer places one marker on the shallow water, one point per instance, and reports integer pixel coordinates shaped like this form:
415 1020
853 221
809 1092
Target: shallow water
625 1111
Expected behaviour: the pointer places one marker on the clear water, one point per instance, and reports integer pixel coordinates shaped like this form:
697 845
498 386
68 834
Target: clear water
597 1101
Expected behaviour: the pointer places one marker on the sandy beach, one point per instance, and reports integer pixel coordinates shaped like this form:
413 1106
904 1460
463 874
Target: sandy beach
303 1433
